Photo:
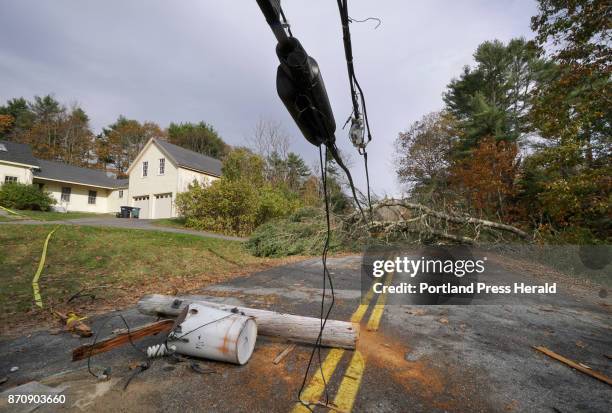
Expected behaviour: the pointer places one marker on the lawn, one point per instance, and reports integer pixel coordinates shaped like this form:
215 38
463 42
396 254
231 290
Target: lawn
170 222
58 216
117 266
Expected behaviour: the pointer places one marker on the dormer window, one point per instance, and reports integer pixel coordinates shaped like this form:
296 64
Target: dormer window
145 168
162 166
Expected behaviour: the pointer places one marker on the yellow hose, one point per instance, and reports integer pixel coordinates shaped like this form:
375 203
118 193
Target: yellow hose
41 265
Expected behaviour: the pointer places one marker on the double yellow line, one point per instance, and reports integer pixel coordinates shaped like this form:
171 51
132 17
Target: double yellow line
351 381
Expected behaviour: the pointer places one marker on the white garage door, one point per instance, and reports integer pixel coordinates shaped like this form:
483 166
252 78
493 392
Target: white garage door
163 206
142 202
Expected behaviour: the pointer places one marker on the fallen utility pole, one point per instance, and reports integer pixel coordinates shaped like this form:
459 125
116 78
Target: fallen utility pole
110 343
341 334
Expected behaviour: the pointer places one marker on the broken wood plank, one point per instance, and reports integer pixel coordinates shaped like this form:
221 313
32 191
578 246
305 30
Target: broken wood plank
284 354
574 365
341 334
118 340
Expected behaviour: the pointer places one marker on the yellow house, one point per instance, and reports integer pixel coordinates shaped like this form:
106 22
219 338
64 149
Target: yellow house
160 171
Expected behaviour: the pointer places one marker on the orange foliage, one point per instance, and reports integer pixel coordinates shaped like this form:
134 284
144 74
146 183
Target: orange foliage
487 176
6 121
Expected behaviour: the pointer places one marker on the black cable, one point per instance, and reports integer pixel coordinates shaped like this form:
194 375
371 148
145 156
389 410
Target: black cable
144 366
336 155
282 13
367 174
354 84
326 277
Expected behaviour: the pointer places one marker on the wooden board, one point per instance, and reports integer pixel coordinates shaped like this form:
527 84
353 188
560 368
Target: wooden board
120 339
574 365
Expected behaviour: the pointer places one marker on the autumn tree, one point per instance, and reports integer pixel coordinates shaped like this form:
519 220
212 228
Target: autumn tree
423 153
120 143
22 119
568 177
487 178
199 137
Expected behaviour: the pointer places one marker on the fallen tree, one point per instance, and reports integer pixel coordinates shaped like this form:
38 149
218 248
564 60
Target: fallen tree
296 328
393 218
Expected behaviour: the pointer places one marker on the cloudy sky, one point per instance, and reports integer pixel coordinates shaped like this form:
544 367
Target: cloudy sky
193 60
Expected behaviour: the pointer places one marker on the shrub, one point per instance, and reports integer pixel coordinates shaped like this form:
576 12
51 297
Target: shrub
232 206
21 196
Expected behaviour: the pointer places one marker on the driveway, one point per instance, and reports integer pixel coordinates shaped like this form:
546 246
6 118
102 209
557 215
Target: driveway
144 224
476 358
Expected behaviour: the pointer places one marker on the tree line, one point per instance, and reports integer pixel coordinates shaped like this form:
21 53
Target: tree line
60 132
524 135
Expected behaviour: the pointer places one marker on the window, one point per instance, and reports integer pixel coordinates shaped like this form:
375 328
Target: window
41 186
66 194
91 200
121 193
9 179
162 166
145 168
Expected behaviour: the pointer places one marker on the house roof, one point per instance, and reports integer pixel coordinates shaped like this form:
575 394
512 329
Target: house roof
17 153
57 171
190 159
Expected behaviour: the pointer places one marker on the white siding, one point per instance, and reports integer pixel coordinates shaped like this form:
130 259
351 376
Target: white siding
115 203
79 196
153 183
23 174
186 177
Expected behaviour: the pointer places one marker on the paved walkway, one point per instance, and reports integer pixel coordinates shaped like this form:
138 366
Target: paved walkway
144 224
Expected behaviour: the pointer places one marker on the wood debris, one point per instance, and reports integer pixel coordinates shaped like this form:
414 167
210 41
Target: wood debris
578 366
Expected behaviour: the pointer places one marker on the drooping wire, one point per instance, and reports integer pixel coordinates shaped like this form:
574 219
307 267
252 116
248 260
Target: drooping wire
324 316
378 21
356 91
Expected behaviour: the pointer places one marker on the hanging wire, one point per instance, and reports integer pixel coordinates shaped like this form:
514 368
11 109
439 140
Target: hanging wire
357 95
324 316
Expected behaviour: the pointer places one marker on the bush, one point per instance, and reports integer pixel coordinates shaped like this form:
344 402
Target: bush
232 206
21 196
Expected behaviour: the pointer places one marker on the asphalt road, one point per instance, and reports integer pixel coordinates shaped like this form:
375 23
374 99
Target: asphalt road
476 358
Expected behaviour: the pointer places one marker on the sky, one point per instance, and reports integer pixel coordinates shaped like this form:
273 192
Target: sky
192 60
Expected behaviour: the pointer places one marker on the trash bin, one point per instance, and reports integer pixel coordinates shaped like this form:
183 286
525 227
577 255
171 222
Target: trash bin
135 212
125 212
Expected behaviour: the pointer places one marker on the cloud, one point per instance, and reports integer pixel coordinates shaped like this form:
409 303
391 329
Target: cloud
210 60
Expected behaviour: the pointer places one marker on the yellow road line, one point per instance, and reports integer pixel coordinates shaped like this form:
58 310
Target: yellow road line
41 265
379 308
312 393
349 387
363 307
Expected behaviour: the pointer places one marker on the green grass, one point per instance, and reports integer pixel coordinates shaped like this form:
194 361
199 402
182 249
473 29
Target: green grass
117 265
58 216
170 222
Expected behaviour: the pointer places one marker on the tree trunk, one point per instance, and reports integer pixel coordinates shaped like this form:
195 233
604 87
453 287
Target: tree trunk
296 328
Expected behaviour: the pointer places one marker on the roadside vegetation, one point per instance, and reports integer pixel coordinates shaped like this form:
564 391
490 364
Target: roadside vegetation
108 268
524 136
258 186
